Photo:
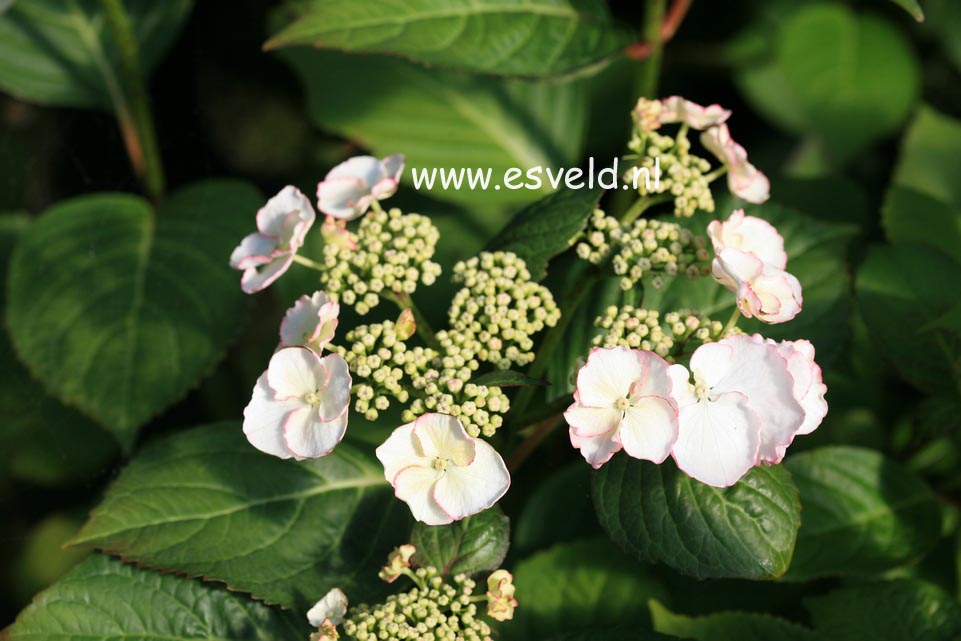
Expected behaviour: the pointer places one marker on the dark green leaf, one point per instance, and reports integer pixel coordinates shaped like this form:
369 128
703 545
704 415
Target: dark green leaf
659 514
944 20
104 600
902 610
901 290
60 52
546 228
477 544
529 38
580 586
206 503
624 633
862 514
507 378
557 511
912 7
119 311
728 626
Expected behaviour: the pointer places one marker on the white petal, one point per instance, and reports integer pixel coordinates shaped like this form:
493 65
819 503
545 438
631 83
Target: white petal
400 451
254 250
751 234
596 450
654 380
747 182
264 420
334 396
274 216
443 436
311 322
649 429
608 376
677 109
718 440
307 436
779 296
466 490
340 197
681 389
367 169
333 606
592 421
295 372
809 387
257 278
415 486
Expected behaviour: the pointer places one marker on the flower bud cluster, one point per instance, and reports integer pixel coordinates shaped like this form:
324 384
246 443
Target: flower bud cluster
480 408
390 253
498 311
637 328
682 174
436 612
642 247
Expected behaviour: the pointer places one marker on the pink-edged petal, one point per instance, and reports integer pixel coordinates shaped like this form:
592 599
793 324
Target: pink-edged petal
748 183
592 421
681 389
254 250
608 376
677 109
443 436
334 396
809 387
779 296
274 216
255 279
415 486
596 450
751 234
718 440
340 197
332 607
654 381
308 436
264 419
392 166
366 169
295 372
649 429
466 490
400 451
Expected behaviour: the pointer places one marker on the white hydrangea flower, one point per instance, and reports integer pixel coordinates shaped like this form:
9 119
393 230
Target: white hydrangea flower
763 291
677 109
349 188
332 608
623 400
750 234
266 254
739 411
310 323
743 179
442 473
299 405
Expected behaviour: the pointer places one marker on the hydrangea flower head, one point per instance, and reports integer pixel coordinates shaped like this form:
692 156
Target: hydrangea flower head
695 116
349 188
442 473
743 179
623 400
267 253
299 405
739 410
310 323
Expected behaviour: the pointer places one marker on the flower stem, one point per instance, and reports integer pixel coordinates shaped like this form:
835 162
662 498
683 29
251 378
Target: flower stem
717 173
529 444
651 69
404 301
732 321
135 118
306 262
641 205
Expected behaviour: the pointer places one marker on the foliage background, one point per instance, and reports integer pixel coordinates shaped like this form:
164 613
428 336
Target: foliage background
851 107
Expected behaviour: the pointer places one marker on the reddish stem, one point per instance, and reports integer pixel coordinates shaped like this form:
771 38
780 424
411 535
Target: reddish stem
673 19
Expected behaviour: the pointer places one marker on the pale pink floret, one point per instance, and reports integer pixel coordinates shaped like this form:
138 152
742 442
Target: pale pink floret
750 234
743 179
623 400
266 254
310 323
763 291
677 109
349 188
739 411
442 473
299 405
330 609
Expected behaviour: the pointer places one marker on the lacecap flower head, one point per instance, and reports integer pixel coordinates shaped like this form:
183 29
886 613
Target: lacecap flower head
442 473
349 188
310 323
267 253
299 405
743 179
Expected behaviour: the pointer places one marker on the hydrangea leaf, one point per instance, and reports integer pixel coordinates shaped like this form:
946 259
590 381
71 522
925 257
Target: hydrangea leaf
729 626
119 310
580 586
620 633
546 228
60 52
528 38
478 543
659 514
103 599
863 514
206 503
912 7
558 510
899 610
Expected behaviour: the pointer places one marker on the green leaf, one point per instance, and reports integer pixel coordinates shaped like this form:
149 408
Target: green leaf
507 378
831 74
206 503
624 633
728 626
557 511
659 514
104 600
913 217
120 311
477 544
901 289
439 119
912 7
901 610
547 228
862 514
944 20
60 52
529 38
579 586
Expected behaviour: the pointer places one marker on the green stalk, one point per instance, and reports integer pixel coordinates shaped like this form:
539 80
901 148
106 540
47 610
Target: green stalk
653 37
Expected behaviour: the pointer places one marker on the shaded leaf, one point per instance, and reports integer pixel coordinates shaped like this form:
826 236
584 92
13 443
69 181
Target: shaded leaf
728 626
912 7
558 510
476 544
507 378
